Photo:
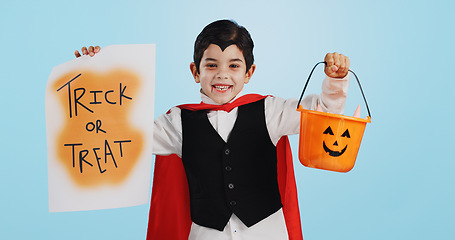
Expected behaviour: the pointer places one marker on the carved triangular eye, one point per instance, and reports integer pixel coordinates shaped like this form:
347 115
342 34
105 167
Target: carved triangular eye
328 131
346 134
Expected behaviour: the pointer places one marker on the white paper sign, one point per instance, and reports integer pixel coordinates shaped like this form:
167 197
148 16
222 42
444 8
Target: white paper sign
99 119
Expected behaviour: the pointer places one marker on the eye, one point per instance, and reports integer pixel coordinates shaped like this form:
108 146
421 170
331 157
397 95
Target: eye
234 66
346 134
211 65
328 131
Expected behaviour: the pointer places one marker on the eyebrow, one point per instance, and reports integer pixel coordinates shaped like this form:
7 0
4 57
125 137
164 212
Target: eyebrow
236 60
231 60
210 59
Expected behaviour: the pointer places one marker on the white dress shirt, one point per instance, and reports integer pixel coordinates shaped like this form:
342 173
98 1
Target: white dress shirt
281 119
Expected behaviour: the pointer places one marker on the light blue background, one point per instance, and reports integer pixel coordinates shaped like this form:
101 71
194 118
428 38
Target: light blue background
401 186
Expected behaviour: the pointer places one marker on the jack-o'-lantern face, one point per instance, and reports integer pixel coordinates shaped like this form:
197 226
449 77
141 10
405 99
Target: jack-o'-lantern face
336 148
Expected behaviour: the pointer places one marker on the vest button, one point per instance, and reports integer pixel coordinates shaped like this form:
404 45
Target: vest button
233 203
228 168
227 151
231 186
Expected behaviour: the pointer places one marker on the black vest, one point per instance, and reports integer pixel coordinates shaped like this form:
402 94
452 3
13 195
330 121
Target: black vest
238 177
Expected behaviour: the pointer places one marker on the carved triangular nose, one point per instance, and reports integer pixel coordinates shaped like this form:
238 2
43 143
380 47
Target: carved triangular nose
336 143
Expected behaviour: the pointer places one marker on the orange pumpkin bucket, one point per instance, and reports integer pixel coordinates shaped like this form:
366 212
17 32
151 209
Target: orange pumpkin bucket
330 141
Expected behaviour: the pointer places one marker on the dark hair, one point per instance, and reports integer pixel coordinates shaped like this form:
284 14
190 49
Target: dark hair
224 33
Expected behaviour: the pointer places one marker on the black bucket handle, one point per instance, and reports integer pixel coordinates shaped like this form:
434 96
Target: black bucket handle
325 63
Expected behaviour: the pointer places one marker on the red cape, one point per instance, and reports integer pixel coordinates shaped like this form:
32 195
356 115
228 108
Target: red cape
170 217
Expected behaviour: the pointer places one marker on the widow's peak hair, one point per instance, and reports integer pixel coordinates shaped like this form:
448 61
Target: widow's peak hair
224 33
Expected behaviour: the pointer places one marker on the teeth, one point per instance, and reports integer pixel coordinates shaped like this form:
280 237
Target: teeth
222 88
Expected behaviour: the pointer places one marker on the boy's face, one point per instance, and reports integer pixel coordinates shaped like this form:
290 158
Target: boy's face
222 74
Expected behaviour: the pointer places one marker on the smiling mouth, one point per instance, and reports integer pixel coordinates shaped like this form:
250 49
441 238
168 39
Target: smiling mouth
221 88
334 153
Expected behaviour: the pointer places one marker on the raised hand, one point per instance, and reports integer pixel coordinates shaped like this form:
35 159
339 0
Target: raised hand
337 65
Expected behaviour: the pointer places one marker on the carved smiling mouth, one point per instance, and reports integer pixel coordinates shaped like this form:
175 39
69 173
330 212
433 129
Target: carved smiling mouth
334 153
221 88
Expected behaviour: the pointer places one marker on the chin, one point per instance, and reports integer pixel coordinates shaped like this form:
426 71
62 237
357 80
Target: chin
222 100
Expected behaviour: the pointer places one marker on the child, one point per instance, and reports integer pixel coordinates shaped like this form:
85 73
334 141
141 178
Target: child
228 143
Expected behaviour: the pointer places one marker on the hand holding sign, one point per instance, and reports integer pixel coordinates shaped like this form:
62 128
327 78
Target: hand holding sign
99 114
91 51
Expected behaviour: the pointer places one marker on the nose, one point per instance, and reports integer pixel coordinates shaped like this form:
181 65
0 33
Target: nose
222 73
336 143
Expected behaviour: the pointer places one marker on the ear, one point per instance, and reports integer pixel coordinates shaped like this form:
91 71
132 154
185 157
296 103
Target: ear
193 70
249 73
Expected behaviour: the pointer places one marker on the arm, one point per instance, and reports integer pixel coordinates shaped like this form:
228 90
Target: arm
281 115
167 133
336 84
333 95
